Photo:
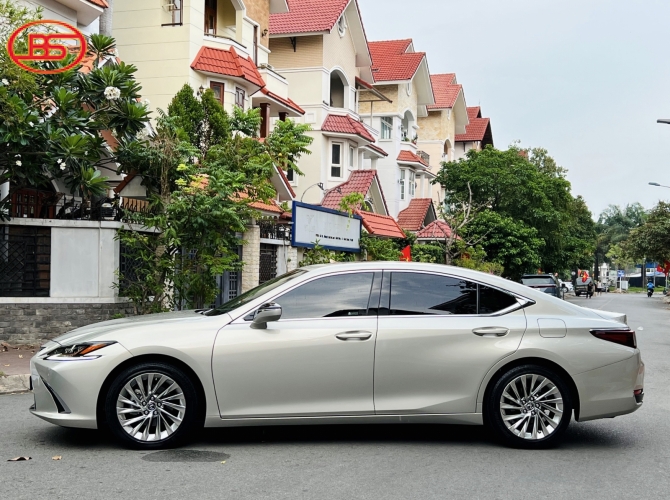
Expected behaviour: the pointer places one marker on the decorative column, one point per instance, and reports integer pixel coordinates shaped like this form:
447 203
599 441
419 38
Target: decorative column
251 254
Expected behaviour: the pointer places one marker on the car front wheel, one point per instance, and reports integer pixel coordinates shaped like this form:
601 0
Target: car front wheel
151 405
529 407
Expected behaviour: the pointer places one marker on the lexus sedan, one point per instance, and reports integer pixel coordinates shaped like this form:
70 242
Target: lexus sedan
376 342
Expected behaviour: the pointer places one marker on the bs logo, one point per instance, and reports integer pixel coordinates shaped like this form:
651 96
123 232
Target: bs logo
44 46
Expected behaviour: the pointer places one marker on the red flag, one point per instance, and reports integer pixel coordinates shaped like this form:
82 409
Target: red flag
406 254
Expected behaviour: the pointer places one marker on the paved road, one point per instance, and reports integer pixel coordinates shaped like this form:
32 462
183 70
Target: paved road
621 458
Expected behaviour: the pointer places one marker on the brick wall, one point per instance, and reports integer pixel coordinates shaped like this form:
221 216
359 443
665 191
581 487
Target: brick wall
34 323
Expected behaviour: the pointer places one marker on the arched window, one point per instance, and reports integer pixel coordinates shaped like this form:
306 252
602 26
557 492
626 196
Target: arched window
339 88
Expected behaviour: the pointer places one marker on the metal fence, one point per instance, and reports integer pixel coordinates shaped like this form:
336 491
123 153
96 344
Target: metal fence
25 261
273 230
268 263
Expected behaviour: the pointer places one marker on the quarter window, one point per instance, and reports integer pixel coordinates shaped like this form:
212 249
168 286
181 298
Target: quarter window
492 301
336 161
345 295
387 127
430 294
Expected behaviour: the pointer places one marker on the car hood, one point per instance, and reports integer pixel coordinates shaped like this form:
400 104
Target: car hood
619 317
97 330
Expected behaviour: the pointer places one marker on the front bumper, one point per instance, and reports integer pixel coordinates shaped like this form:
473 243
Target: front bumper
66 392
610 391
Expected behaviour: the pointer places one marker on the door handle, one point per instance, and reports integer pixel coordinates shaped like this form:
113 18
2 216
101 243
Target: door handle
354 336
491 331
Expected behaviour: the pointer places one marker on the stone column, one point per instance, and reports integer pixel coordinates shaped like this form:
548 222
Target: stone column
251 255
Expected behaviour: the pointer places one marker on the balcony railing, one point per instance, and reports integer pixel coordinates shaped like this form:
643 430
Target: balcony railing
273 230
424 156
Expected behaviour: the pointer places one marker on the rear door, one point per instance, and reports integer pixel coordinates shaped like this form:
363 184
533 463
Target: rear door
437 338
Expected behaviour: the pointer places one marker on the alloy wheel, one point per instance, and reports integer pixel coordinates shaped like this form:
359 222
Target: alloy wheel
151 407
531 407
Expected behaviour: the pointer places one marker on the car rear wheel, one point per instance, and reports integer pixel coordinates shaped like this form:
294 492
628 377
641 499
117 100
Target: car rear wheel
151 405
529 407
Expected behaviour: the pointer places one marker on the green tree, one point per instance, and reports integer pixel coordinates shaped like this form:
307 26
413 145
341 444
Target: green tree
614 226
50 125
546 227
651 240
203 169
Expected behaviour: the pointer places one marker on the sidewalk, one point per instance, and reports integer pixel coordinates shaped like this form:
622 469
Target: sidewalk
15 368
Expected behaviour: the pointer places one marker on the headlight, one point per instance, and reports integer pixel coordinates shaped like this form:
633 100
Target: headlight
81 350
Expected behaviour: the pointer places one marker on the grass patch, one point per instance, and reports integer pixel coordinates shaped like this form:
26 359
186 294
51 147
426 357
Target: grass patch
2 374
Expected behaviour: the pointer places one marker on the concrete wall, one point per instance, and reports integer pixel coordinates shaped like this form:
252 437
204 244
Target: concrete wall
251 255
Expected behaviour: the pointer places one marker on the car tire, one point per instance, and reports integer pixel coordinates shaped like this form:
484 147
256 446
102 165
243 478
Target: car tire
151 406
542 416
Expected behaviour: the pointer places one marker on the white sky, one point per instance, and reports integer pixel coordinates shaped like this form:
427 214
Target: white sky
585 79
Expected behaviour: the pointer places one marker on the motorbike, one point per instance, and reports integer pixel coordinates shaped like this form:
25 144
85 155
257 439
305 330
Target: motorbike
650 292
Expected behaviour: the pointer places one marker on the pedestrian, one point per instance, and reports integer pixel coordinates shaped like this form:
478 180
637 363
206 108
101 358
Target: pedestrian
590 289
599 287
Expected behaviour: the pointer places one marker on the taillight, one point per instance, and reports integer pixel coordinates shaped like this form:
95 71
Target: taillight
623 337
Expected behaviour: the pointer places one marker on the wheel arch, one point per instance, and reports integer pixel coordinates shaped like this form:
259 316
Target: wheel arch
151 358
546 363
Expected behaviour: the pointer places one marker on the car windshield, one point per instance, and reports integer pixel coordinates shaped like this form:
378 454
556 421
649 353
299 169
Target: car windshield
538 280
255 292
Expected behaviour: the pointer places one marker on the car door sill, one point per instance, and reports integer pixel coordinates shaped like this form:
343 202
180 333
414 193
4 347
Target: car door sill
452 418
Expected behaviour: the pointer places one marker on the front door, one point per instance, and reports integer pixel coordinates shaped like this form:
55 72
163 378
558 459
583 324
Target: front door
438 341
316 361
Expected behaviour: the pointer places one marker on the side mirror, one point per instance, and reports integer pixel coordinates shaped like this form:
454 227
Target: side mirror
266 314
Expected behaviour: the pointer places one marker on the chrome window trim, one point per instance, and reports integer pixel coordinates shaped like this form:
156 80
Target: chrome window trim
522 301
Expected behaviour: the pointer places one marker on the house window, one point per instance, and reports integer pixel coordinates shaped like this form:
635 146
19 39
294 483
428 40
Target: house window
387 127
217 88
290 175
341 25
336 161
210 17
352 152
412 183
175 8
402 184
256 45
239 97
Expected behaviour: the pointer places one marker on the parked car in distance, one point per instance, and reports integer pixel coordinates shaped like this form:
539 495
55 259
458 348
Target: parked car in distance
566 286
545 283
349 343
582 287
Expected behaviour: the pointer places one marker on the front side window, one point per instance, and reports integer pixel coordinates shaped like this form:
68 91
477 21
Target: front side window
402 184
254 293
217 88
387 127
431 294
412 183
341 296
336 160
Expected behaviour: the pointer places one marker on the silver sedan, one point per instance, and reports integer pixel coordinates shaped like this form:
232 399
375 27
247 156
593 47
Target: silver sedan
378 342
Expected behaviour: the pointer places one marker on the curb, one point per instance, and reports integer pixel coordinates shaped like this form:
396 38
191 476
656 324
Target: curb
12 384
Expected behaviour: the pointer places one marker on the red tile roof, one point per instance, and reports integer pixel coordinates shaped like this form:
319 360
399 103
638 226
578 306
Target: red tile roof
307 16
445 91
477 128
413 216
267 207
436 230
378 149
409 157
100 3
381 225
228 63
285 180
392 62
359 182
285 101
346 125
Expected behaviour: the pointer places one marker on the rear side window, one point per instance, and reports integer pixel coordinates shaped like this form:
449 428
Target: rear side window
538 280
428 294
344 295
491 300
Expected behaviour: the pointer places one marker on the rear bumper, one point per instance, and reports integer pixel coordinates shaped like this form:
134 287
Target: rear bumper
610 391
